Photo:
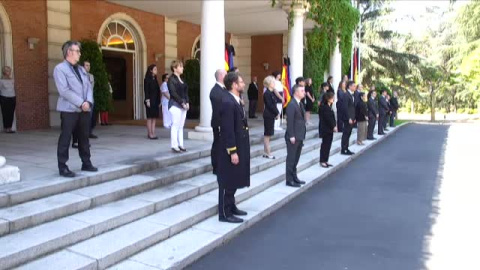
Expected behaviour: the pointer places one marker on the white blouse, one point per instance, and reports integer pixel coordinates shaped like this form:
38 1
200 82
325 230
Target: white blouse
7 88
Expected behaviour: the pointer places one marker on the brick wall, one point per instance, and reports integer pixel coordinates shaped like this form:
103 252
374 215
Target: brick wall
88 17
29 19
186 35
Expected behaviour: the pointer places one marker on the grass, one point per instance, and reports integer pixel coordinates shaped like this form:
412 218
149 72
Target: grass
399 121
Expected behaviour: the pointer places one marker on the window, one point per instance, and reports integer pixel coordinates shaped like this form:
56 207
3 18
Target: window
116 35
196 50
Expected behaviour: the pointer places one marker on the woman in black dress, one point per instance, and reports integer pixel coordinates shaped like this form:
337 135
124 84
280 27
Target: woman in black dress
152 100
310 98
328 127
324 88
270 113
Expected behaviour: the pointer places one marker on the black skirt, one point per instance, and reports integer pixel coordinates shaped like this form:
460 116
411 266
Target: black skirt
268 125
152 112
309 105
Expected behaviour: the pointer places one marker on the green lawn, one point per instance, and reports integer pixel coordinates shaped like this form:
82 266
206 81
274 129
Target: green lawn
398 121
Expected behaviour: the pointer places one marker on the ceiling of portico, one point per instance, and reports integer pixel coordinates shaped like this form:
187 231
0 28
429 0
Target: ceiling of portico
250 17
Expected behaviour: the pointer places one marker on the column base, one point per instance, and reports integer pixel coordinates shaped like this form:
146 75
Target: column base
9 174
201 133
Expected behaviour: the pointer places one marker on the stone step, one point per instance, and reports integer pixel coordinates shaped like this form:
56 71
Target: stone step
27 190
177 218
32 243
39 211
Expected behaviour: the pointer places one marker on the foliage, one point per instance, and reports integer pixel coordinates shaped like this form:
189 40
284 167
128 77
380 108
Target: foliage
101 92
191 75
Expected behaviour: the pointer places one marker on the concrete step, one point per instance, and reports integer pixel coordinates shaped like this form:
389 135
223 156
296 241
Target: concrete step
39 211
45 238
177 218
28 190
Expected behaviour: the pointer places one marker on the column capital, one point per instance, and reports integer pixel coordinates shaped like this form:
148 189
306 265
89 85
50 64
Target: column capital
298 7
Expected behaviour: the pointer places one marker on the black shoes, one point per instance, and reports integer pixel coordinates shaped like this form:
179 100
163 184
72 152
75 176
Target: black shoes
230 219
347 152
238 212
293 184
298 181
93 136
175 150
67 173
371 139
182 149
89 168
75 145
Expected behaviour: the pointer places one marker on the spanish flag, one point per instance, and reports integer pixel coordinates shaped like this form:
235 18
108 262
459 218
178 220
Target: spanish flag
286 83
227 67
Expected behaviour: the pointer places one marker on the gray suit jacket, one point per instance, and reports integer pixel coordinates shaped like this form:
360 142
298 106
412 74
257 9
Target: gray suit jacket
296 126
73 91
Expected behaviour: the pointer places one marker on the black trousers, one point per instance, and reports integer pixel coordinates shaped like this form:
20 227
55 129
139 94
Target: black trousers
371 126
347 131
381 126
293 156
8 110
215 148
340 124
226 201
392 118
92 125
385 121
326 146
319 127
252 108
78 123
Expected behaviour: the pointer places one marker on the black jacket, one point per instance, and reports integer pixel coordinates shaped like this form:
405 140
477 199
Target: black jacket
383 106
361 111
270 110
340 95
348 105
296 126
252 91
152 91
394 103
178 92
216 97
327 118
372 108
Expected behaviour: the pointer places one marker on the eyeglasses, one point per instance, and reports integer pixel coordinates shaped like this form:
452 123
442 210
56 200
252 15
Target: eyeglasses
77 51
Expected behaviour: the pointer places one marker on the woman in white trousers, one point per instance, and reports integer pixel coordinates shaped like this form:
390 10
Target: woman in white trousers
178 106
167 117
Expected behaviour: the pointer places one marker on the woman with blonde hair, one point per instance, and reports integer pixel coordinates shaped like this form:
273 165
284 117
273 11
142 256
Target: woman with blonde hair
7 99
178 106
270 113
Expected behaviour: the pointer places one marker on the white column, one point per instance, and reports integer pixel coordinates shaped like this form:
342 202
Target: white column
336 69
212 44
295 43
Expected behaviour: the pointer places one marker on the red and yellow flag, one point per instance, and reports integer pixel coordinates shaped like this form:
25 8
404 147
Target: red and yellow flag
286 86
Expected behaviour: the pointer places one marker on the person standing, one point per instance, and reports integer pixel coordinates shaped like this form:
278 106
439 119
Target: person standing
372 113
342 90
382 111
295 135
310 99
361 115
279 94
328 127
389 113
152 100
8 100
178 106
330 84
234 158
93 121
348 114
167 118
394 106
252 97
321 92
216 96
74 104
270 113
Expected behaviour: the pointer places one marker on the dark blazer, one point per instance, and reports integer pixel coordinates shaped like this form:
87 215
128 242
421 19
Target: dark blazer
394 103
340 95
152 91
330 88
348 105
270 100
383 106
216 97
356 95
252 91
178 92
296 126
327 118
372 108
234 138
361 112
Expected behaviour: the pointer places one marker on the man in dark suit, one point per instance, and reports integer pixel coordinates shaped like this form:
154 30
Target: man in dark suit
382 112
295 134
252 97
216 96
234 158
348 114
394 107
372 114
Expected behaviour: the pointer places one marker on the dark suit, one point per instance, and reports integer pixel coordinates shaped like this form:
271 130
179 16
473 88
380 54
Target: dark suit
382 112
394 106
216 96
234 138
296 128
327 118
348 113
252 99
372 116
340 95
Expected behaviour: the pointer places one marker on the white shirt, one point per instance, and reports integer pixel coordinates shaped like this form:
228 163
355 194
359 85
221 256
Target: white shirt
278 86
164 89
7 88
298 100
236 97
221 85
353 96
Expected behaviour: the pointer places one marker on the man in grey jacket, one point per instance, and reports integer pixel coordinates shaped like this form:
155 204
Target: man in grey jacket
74 104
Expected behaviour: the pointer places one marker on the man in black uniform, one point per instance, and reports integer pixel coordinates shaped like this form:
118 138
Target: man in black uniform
295 134
252 97
394 107
382 111
216 96
348 114
372 113
233 170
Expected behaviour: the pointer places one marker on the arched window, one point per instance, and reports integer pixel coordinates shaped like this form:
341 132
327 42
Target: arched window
196 49
117 35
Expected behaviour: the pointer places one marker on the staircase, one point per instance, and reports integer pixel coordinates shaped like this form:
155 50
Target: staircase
153 213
